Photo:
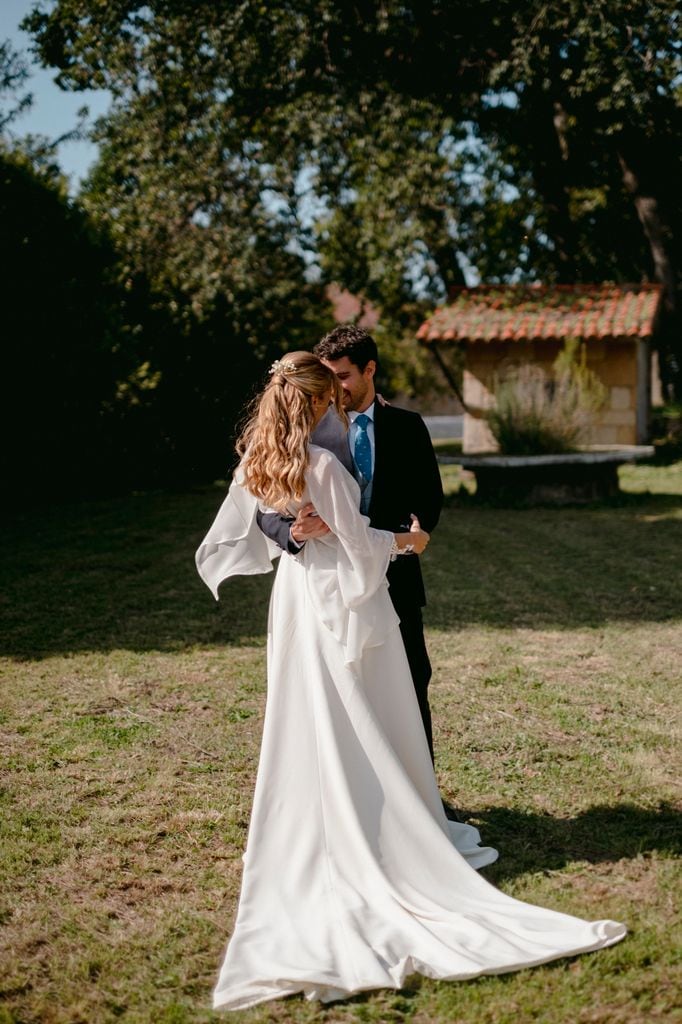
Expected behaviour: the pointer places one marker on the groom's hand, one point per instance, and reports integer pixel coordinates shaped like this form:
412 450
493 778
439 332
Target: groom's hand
421 537
307 525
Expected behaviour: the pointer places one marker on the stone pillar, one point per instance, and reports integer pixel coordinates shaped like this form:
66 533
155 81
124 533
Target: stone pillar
477 397
643 390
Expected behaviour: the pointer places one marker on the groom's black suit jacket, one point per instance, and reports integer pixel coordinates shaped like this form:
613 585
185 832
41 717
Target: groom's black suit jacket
406 480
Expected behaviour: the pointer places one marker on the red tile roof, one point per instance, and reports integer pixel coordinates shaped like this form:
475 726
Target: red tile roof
530 312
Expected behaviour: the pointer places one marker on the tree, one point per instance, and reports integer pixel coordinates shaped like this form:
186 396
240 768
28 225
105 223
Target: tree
59 323
13 77
401 143
602 84
219 288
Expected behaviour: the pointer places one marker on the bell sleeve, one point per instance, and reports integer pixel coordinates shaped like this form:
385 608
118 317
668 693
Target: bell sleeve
363 553
346 569
235 545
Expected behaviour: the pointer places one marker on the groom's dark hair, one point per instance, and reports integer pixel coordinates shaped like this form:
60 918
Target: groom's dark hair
348 340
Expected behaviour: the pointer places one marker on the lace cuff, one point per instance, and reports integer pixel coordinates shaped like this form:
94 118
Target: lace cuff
395 550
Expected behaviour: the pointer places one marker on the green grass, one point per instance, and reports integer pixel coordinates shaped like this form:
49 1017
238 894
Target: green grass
130 722
448 446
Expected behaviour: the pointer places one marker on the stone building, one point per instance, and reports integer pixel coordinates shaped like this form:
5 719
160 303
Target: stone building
501 325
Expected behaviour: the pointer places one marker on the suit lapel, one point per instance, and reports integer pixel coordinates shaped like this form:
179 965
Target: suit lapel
379 453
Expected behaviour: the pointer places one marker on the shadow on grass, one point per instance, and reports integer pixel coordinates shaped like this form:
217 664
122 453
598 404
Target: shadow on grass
531 842
119 574
546 568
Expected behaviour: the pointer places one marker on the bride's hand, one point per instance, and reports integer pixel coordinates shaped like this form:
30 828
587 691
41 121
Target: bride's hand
307 525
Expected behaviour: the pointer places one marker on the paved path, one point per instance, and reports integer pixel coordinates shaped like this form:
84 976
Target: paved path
450 427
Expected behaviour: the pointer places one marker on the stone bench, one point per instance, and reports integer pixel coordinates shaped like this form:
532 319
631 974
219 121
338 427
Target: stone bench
579 477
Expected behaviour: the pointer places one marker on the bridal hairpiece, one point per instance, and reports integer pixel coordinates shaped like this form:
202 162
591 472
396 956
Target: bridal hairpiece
281 366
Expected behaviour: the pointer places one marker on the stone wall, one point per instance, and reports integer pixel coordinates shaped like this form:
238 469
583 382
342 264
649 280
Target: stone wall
622 420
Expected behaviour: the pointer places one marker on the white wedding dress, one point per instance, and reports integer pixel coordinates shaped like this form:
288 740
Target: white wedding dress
353 877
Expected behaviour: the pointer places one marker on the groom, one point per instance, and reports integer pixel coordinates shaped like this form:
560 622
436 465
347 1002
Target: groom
389 452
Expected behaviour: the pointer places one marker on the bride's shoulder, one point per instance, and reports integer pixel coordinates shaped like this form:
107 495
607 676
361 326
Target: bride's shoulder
327 477
323 461
320 455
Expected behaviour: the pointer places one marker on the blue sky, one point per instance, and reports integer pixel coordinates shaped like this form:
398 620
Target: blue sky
54 111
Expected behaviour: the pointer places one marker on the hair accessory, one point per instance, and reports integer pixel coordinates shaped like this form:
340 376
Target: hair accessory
281 366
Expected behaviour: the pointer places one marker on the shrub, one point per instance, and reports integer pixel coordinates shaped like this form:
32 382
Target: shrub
536 413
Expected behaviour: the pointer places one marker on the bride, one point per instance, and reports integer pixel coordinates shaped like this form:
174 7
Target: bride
353 877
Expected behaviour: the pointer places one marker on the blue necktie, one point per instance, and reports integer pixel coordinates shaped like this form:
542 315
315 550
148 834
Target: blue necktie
362 452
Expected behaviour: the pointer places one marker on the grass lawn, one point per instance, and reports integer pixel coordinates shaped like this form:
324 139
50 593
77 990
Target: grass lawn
130 722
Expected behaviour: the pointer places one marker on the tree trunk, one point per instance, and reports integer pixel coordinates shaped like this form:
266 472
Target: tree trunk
549 155
639 180
443 250
448 266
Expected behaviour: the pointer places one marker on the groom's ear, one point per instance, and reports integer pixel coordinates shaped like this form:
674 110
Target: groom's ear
370 369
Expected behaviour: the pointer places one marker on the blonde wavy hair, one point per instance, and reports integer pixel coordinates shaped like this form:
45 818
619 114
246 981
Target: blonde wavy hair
273 445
